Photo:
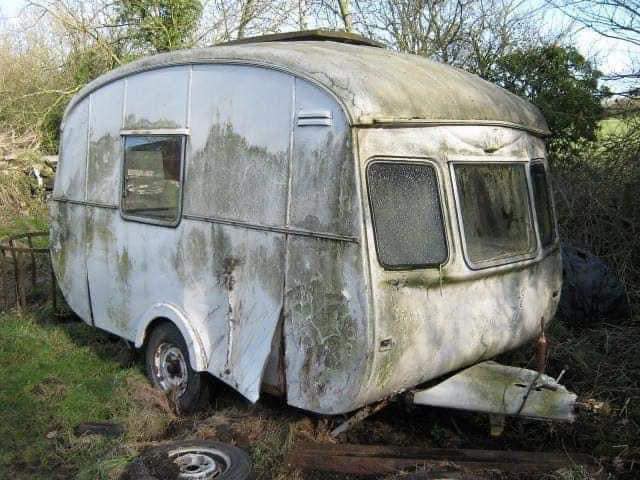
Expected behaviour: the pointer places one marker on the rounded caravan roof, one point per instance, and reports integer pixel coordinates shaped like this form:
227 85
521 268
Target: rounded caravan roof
375 86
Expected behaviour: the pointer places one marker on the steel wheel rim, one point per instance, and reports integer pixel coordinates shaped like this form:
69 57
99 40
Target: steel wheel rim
199 463
171 368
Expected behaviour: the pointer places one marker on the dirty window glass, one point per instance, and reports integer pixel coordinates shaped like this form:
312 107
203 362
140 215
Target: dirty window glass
407 215
544 211
495 210
152 177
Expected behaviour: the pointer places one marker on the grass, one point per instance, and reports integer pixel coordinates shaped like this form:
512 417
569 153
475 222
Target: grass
611 126
54 377
57 375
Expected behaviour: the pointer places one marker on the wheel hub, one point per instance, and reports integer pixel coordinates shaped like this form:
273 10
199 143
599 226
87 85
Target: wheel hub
199 463
171 368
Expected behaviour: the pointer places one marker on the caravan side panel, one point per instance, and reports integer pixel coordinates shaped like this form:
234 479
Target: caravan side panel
68 214
327 335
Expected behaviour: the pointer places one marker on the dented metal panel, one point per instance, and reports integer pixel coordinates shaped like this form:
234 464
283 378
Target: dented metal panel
225 281
444 318
67 244
501 390
67 218
326 328
327 332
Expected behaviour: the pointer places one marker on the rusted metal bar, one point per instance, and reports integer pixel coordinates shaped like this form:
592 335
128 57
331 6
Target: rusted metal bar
8 247
541 349
358 417
382 460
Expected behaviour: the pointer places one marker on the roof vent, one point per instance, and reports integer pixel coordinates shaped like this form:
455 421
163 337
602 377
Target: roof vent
310 35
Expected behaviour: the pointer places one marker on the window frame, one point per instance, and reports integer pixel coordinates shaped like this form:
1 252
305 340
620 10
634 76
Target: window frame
505 260
552 206
441 201
183 135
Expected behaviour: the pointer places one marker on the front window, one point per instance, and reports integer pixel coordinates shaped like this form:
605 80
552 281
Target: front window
493 202
544 210
407 215
152 189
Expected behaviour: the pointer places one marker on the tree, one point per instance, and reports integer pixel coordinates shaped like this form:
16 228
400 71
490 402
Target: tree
616 19
561 83
469 34
160 25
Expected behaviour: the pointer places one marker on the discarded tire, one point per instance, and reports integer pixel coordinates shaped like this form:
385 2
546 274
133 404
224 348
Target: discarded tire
190 460
591 291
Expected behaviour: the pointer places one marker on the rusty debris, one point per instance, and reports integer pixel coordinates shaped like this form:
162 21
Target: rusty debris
108 429
14 250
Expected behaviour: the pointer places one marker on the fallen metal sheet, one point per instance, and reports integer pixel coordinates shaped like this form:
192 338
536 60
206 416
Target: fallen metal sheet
502 390
382 460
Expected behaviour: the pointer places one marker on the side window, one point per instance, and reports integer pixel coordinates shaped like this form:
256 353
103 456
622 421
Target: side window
407 215
152 185
542 198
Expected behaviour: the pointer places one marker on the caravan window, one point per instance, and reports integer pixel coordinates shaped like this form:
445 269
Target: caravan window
544 210
152 187
407 215
495 212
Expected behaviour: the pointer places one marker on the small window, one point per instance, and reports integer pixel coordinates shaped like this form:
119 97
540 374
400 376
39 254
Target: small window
153 177
495 212
544 210
407 215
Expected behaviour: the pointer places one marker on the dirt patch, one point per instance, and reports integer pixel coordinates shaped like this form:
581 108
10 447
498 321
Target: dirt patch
152 464
49 387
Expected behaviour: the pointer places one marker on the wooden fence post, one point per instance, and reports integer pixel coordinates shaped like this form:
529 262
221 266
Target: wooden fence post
3 259
16 274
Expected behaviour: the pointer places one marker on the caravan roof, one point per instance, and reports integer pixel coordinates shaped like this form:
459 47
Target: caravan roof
374 85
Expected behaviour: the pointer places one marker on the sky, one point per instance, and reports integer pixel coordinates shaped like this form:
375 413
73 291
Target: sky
610 55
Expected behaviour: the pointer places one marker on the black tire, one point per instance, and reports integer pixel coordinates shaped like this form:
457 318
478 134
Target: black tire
159 462
194 392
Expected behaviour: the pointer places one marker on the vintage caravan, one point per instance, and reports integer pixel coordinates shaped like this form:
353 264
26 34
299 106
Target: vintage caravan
312 216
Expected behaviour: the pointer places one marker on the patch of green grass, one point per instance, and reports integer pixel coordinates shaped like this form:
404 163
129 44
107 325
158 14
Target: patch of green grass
55 376
611 126
23 224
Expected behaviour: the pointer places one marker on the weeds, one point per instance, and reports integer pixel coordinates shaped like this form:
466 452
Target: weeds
23 208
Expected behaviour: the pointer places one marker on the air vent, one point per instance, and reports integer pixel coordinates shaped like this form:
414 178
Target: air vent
307 118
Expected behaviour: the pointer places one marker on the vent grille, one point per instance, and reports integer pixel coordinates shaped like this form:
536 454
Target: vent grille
307 118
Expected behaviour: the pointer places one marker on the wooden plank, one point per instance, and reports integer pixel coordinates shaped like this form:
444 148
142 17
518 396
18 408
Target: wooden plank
380 460
23 249
33 262
458 454
16 275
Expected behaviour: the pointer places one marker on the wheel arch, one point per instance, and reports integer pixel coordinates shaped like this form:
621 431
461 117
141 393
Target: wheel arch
168 313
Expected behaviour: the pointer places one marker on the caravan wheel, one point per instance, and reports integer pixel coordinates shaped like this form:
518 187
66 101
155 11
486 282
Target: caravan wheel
168 368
